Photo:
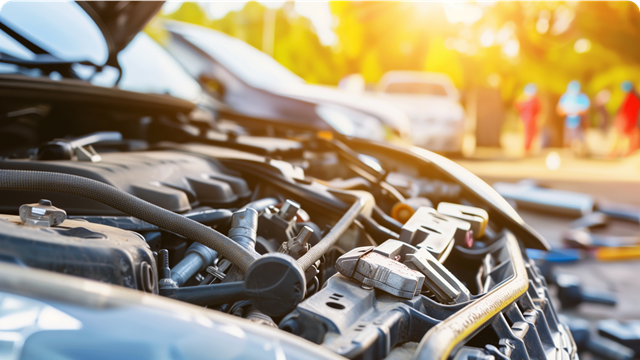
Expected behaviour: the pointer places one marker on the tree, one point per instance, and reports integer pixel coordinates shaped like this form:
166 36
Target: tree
296 44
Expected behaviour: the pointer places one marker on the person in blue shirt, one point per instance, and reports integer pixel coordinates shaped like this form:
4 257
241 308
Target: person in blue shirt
573 105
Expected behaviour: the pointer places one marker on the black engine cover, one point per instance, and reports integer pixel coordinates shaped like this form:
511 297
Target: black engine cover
83 249
172 180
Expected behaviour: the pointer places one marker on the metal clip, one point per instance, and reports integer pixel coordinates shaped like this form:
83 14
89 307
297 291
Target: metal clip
215 272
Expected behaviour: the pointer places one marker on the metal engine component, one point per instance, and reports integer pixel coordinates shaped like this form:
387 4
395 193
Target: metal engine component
166 282
80 248
244 228
381 272
419 293
362 324
402 270
80 148
438 280
299 245
277 225
197 258
478 218
289 210
435 232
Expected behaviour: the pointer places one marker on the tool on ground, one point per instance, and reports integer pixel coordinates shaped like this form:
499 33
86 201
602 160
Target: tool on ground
571 294
526 194
626 333
596 345
617 253
556 255
619 211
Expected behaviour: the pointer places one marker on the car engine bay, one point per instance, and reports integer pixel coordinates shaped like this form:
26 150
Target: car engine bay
354 247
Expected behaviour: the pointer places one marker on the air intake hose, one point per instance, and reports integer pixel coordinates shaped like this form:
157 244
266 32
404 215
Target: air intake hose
128 204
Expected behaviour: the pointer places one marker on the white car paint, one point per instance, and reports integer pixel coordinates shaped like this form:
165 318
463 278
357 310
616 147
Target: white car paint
431 102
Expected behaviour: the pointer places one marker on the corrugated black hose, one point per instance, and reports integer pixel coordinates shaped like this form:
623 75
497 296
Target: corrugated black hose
128 204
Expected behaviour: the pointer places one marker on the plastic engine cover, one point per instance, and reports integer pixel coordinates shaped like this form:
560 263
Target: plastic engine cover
172 180
83 249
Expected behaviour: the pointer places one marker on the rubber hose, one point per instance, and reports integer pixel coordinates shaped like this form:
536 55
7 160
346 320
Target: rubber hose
378 232
386 220
315 253
211 217
128 204
261 204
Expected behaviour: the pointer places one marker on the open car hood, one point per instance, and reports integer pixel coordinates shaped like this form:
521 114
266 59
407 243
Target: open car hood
120 21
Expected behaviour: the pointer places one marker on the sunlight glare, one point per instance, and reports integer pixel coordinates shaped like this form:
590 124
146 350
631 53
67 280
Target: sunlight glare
487 38
511 48
582 46
553 161
466 13
320 15
272 4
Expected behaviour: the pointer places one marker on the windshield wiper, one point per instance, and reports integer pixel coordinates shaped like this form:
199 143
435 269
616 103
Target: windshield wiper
47 63
22 40
44 60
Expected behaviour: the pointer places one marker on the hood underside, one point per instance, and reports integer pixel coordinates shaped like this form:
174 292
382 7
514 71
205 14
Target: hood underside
120 21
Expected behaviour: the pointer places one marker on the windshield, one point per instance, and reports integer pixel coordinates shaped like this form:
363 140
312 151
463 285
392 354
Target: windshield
148 68
61 29
417 88
10 46
65 30
248 63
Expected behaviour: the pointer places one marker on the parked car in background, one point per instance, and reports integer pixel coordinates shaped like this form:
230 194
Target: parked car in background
431 101
254 84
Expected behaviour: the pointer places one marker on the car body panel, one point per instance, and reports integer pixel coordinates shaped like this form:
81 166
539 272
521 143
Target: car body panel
294 101
437 118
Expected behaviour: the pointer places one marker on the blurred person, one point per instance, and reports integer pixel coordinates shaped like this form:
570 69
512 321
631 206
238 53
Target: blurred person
600 102
626 122
573 105
528 106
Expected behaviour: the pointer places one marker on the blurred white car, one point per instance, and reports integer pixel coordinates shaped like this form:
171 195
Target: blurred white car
432 103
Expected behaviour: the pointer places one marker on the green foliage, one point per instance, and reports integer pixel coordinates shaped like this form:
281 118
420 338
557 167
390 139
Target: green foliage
295 43
375 37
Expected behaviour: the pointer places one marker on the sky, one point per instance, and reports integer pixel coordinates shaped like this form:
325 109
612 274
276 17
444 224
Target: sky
315 10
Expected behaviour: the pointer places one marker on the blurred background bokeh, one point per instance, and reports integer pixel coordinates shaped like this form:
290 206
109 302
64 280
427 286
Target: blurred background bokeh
490 50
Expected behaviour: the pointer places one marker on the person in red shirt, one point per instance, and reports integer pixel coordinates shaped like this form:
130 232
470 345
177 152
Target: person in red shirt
626 122
528 106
